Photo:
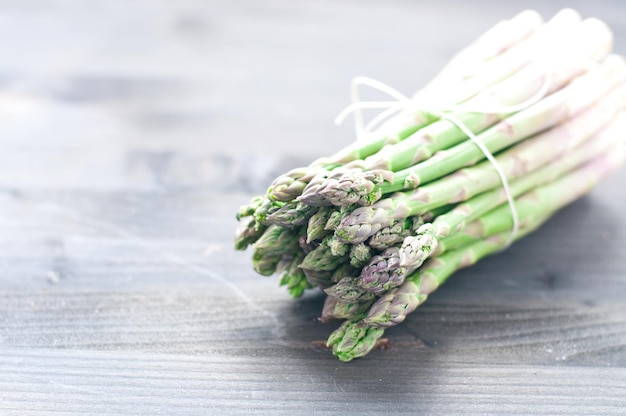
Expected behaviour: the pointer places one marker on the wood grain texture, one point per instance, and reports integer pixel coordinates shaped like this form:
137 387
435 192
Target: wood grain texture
130 134
113 383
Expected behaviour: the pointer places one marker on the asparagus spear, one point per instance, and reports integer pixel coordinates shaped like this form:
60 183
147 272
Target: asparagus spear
265 264
266 208
393 307
278 240
316 226
291 184
353 339
248 231
360 254
335 308
331 252
322 259
348 289
250 208
395 233
249 228
334 219
293 277
291 214
319 278
382 272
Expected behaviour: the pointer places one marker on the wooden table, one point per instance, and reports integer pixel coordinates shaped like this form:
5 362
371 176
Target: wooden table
130 134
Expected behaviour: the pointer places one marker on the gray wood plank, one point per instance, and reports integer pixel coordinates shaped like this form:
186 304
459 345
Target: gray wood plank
74 382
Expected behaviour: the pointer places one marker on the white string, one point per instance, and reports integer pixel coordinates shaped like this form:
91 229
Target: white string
498 168
392 107
403 102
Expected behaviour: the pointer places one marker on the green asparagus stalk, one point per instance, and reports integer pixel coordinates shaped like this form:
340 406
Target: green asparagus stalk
395 233
316 230
293 277
291 214
393 307
382 272
250 208
353 339
319 278
348 289
265 264
356 337
360 254
266 208
337 247
345 270
378 278
365 221
335 309
248 231
277 240
290 185
322 259
337 215
252 223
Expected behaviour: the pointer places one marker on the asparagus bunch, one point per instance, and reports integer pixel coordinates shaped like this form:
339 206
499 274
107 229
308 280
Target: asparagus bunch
522 122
